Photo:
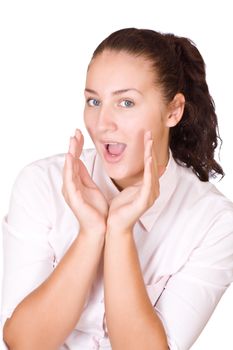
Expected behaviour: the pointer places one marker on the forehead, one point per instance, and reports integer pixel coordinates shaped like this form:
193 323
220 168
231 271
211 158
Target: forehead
119 69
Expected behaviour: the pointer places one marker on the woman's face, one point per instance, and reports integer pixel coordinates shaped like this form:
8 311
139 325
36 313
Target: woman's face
122 102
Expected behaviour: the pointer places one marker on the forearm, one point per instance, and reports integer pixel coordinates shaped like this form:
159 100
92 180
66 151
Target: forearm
131 319
46 317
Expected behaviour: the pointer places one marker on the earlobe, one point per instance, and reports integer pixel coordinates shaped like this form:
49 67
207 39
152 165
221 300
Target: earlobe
176 110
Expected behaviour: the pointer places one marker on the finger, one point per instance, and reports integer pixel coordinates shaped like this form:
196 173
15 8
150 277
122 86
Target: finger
71 187
73 146
76 144
150 152
147 176
68 160
155 174
147 138
67 172
80 142
146 182
150 184
72 164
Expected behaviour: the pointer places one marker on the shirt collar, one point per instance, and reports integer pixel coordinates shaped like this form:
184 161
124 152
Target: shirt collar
168 182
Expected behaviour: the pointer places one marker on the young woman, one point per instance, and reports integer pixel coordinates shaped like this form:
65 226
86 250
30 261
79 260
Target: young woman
126 246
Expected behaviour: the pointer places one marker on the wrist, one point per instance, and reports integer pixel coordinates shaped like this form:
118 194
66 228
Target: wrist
116 226
92 236
117 230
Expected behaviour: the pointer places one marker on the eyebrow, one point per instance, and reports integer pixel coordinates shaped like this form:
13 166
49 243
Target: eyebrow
117 92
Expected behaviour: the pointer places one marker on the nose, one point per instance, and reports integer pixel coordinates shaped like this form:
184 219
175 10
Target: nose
106 119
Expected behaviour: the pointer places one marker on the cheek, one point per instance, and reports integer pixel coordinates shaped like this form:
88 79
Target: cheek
137 148
89 124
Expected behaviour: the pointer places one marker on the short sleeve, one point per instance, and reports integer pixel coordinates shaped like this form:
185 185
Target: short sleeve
191 295
27 254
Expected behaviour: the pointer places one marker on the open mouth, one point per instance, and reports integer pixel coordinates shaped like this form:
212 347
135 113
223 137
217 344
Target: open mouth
115 149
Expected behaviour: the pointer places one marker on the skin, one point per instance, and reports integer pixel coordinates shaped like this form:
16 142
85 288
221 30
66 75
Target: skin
106 229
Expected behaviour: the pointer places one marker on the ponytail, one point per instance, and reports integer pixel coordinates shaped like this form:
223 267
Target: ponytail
194 139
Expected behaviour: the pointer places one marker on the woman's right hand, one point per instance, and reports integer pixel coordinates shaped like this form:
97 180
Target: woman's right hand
80 192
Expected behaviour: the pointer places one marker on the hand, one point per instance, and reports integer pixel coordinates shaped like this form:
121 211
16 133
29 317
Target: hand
80 192
126 208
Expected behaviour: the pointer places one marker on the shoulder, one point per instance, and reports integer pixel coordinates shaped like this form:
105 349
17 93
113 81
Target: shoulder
200 221
52 166
43 177
203 197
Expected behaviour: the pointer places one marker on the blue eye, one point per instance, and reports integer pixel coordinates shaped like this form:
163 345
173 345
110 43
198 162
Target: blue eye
93 102
127 103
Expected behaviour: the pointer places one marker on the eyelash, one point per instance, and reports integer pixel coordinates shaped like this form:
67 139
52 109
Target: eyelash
88 101
131 103
91 99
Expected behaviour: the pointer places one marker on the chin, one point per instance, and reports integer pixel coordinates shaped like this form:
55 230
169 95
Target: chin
119 175
116 174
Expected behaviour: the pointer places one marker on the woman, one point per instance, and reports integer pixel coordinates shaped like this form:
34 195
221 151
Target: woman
128 246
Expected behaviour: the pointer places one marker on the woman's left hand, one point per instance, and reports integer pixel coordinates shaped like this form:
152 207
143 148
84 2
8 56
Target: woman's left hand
127 207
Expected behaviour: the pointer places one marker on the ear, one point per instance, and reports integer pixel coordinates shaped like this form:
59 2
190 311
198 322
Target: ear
175 110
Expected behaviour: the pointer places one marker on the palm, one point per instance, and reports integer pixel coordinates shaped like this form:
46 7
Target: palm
125 200
125 207
88 193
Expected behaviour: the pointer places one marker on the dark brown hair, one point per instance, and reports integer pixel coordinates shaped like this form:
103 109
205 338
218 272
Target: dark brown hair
181 69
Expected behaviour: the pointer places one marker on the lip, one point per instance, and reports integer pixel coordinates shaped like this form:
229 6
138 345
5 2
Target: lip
110 158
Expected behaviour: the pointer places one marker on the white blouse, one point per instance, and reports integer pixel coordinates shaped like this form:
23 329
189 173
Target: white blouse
184 243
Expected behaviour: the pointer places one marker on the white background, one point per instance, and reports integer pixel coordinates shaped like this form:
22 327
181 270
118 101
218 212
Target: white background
45 47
